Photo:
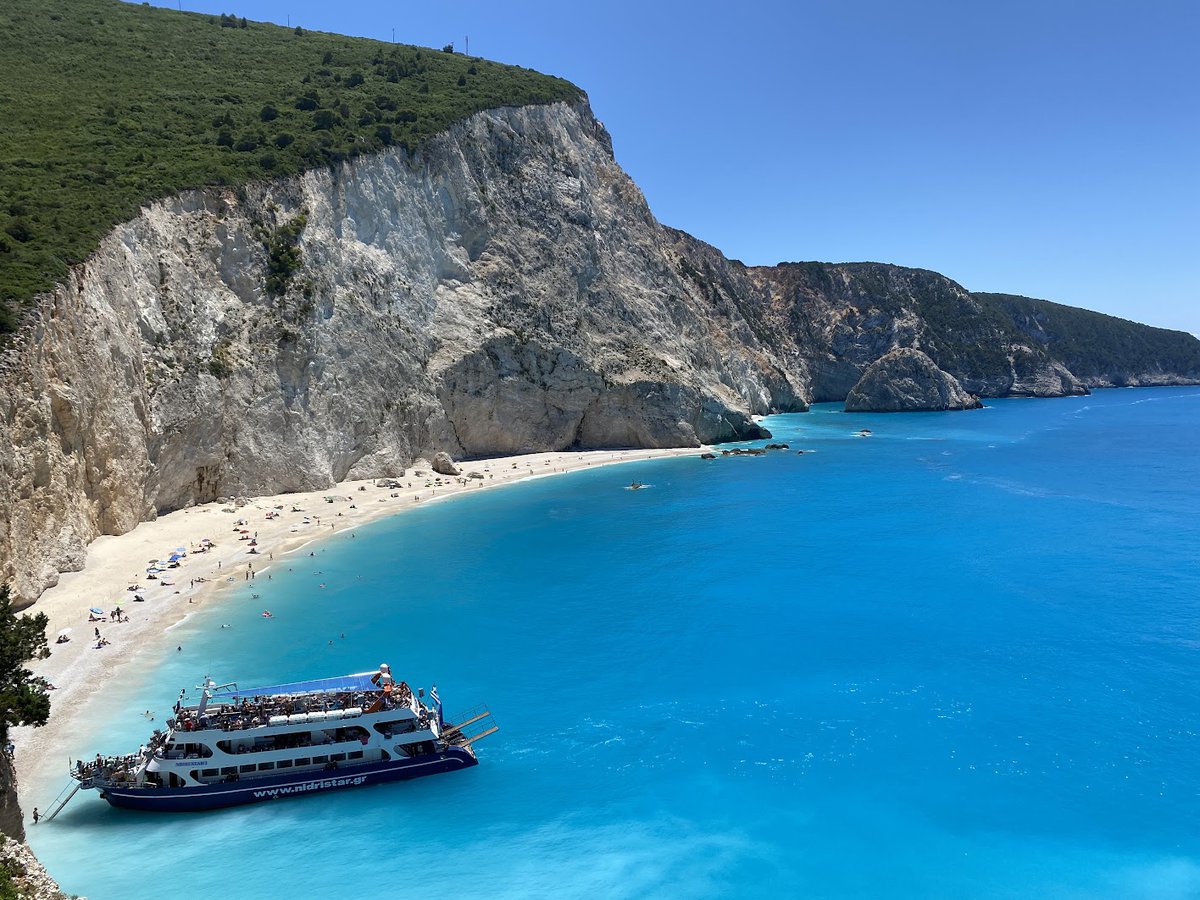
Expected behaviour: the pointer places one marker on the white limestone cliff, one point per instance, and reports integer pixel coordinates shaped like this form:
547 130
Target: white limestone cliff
504 289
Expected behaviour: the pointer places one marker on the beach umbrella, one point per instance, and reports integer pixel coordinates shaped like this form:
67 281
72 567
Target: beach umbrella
182 550
95 610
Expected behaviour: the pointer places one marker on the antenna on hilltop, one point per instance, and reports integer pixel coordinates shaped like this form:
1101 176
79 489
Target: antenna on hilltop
467 42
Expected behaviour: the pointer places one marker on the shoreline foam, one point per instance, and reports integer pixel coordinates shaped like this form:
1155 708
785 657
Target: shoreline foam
79 670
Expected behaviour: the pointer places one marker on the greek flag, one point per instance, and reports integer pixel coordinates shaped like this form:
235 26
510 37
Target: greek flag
433 695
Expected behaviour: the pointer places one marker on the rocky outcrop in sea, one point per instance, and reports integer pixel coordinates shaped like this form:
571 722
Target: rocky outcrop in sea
906 380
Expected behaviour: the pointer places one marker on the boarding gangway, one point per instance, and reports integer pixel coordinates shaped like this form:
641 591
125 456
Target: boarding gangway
60 801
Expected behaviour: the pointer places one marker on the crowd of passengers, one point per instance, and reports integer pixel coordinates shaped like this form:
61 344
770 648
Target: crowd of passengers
114 768
256 711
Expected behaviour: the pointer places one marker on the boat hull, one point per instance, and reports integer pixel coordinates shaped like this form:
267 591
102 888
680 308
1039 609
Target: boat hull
237 793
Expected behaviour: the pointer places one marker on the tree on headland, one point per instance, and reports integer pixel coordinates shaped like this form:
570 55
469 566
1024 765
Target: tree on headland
23 698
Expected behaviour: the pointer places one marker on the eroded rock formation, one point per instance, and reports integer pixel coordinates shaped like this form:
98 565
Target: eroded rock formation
906 380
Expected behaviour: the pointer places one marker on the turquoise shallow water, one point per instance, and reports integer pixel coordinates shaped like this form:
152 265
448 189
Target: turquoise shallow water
960 657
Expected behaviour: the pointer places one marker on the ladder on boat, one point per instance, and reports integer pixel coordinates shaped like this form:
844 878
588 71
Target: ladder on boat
473 725
60 801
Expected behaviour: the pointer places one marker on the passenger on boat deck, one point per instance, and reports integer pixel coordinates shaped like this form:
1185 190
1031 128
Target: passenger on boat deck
383 677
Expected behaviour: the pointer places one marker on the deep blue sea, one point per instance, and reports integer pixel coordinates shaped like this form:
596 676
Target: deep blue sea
957 658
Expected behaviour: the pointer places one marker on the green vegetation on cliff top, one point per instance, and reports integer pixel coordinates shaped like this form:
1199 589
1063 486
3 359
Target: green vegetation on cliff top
106 106
1095 345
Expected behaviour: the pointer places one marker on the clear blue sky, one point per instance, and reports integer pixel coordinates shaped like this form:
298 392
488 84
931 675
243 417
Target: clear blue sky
1046 148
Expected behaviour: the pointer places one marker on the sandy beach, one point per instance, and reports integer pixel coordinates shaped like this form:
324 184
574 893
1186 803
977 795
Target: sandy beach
78 668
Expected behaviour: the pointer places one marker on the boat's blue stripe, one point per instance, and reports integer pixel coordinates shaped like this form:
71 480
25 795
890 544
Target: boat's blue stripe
269 787
228 794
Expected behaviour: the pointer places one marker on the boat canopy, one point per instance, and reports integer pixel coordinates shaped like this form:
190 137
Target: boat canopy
359 682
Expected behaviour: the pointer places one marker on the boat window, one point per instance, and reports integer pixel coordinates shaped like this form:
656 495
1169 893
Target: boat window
303 761
337 757
287 740
355 754
320 759
229 770
263 767
285 764
209 773
249 768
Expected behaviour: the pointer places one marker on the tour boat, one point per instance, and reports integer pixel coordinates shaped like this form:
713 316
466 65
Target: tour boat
245 745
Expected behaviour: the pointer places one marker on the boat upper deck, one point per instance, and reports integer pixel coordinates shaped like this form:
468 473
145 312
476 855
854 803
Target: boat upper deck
296 703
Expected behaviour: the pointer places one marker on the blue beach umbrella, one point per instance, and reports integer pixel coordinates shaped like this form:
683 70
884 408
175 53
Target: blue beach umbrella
95 610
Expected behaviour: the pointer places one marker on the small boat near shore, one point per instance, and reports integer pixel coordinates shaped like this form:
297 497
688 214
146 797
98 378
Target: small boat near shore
239 746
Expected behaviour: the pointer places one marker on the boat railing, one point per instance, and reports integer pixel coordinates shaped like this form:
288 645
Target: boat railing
300 709
106 766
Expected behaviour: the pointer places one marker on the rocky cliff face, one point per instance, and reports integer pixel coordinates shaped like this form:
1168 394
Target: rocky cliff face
1103 351
845 316
906 380
506 289
11 820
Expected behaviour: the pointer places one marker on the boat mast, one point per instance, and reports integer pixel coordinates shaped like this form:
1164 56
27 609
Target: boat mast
206 692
